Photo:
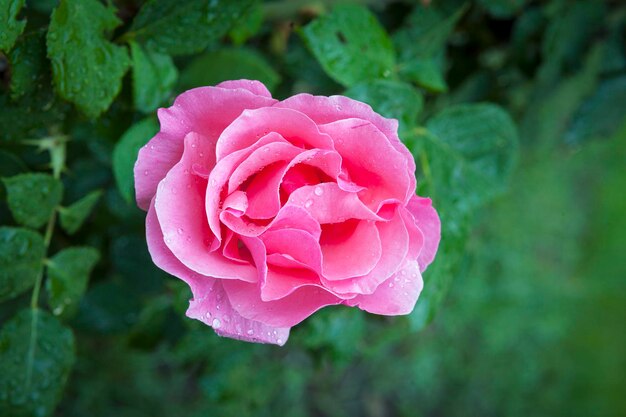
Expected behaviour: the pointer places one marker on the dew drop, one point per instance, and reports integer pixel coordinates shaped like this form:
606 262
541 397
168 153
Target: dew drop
279 341
208 315
217 323
318 191
390 284
179 231
250 331
146 172
308 203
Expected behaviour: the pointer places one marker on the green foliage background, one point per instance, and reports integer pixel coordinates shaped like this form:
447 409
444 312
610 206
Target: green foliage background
515 111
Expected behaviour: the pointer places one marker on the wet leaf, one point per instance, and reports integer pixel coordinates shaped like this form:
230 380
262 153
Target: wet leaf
21 259
33 197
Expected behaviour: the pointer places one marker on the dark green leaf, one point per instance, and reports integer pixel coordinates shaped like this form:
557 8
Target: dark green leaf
600 115
87 68
248 25
72 217
351 45
393 99
10 27
10 164
36 356
180 28
228 64
154 76
33 197
68 274
503 9
467 155
125 155
421 45
28 65
21 259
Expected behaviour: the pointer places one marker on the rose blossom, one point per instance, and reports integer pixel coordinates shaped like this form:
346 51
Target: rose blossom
270 210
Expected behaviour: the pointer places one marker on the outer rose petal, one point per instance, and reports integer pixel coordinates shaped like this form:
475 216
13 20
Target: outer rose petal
206 110
427 220
396 296
210 304
254 86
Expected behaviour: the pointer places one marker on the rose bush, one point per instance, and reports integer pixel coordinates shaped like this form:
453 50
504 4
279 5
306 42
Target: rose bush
270 210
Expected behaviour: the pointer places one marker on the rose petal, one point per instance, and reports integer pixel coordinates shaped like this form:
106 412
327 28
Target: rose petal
294 126
184 225
263 193
349 249
254 86
294 217
206 110
206 291
427 220
327 203
371 161
394 239
297 244
324 110
396 296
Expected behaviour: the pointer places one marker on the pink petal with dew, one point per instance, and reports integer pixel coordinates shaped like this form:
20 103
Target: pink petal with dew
206 110
210 304
294 126
254 86
371 161
179 204
396 296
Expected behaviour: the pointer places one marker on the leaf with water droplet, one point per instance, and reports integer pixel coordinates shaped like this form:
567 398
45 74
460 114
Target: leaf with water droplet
180 28
36 356
72 217
68 274
351 45
76 43
33 197
10 27
125 155
21 259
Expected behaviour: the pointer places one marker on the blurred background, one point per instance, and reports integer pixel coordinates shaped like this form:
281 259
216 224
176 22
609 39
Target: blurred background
524 309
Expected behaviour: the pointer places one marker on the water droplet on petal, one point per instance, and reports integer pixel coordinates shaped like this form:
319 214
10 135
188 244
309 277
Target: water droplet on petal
216 323
250 331
318 191
308 203
279 341
146 172
179 231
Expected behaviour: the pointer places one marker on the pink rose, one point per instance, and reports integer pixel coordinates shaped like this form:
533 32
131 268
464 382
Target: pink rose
270 210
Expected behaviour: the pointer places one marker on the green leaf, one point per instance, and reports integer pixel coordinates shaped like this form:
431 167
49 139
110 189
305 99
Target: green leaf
68 274
181 28
73 217
600 115
10 164
125 155
154 76
36 356
503 9
248 25
214 67
87 68
33 197
351 45
21 259
421 45
28 64
467 155
393 99
10 27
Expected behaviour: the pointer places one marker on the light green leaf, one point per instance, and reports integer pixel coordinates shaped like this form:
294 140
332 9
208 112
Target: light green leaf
393 99
68 274
181 28
33 197
467 155
351 45
87 68
154 76
125 155
36 356
421 45
10 27
72 217
21 259
228 64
